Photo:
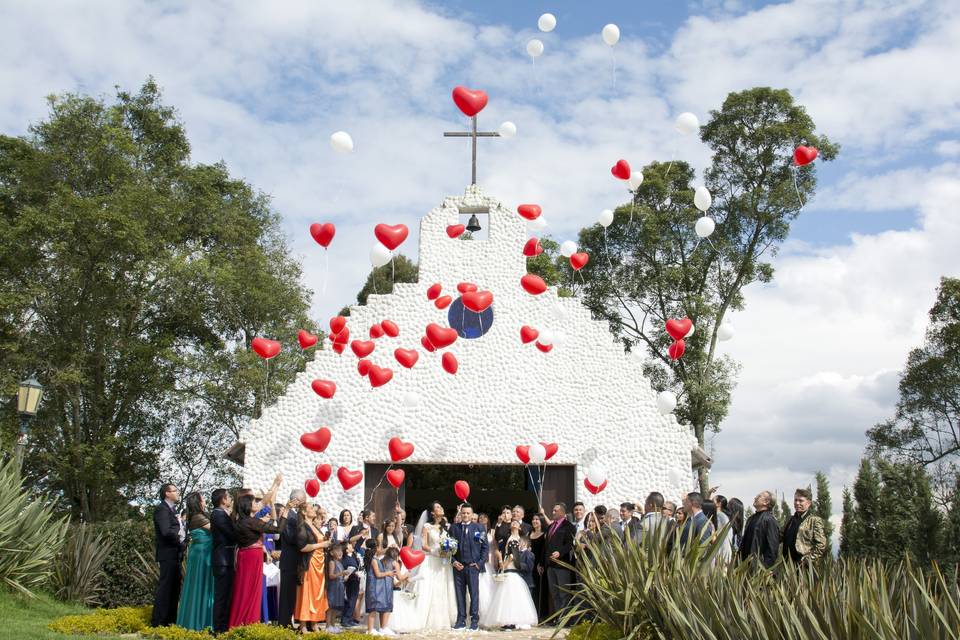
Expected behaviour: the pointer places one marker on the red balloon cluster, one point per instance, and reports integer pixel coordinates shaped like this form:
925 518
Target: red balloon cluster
678 329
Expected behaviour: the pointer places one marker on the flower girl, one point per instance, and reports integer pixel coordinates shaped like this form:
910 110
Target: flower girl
512 606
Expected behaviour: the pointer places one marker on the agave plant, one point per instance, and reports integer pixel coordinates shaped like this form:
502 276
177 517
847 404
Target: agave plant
30 534
78 573
146 573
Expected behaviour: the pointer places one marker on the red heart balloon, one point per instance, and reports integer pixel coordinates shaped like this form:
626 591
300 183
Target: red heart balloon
390 328
406 357
323 471
465 287
312 487
579 260
349 479
337 324
323 233
678 329
443 302
529 211
450 364
456 230
362 348
391 235
376 331
338 347
324 388
462 489
546 348
441 337
363 366
399 450
592 489
470 101
533 248
265 348
316 440
341 338
411 558
804 155
395 477
621 170
379 376
425 341
306 339
477 301
533 284
552 448
676 349
528 334
434 291
523 452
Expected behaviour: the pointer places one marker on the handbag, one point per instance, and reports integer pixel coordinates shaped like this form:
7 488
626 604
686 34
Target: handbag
272 574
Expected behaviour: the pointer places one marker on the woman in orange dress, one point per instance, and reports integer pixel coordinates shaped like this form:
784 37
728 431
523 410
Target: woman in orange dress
312 593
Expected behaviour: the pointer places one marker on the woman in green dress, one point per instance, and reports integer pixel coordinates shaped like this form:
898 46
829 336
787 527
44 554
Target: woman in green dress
196 603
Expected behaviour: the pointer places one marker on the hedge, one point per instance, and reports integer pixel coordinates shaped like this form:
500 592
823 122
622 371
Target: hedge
121 586
122 620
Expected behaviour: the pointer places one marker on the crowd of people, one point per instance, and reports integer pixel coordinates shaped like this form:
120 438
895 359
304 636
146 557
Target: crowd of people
250 559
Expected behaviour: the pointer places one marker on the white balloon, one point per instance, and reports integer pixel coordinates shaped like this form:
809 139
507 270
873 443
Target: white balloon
636 179
725 332
666 402
702 198
536 226
568 248
380 255
546 337
610 34
596 474
535 48
538 453
704 227
559 338
605 218
686 123
547 22
411 399
690 333
637 355
507 130
341 142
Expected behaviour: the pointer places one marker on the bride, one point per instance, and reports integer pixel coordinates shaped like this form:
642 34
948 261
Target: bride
434 601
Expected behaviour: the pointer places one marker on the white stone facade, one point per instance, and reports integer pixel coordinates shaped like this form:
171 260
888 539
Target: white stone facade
586 394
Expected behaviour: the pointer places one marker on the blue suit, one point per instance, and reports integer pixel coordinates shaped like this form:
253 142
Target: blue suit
472 554
694 526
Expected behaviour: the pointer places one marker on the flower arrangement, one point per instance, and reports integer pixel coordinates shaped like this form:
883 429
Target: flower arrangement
448 545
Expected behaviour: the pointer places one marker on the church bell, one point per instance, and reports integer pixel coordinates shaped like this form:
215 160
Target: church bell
473 224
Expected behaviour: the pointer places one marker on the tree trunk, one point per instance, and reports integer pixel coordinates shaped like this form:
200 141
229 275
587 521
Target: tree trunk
703 473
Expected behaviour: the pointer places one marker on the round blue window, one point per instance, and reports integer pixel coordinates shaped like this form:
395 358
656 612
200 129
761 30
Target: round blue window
469 324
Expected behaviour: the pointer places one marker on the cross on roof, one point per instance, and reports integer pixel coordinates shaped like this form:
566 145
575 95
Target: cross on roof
474 134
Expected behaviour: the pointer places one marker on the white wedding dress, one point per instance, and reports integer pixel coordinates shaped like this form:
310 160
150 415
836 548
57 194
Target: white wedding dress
512 603
486 581
433 604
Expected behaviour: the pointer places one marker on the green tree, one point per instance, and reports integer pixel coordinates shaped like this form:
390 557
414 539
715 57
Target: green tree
552 267
908 522
380 280
848 533
951 533
823 507
655 268
926 427
862 532
133 285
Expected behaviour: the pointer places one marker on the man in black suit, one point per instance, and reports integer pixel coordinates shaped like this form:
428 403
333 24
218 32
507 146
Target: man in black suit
223 554
364 530
170 535
290 560
559 548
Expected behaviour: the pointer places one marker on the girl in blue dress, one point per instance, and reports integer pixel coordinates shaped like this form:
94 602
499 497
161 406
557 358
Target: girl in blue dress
380 574
335 588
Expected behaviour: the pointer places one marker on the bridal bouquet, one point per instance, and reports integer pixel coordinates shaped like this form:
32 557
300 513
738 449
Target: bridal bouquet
448 545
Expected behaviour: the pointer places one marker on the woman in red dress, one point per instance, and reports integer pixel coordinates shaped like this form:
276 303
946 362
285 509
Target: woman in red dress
248 580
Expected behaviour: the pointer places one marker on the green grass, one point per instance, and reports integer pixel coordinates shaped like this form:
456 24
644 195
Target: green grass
23 618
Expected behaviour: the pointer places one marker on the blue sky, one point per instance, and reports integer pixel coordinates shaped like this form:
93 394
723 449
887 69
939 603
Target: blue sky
263 85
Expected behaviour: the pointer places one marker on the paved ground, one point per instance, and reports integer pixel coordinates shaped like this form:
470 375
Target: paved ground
528 634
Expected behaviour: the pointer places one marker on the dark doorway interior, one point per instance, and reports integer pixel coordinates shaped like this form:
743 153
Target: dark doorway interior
491 486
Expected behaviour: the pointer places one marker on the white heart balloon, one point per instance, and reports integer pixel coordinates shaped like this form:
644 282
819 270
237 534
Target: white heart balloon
702 198
704 227
686 123
538 453
535 48
568 248
636 179
596 474
605 218
547 22
666 402
379 254
534 227
507 130
546 337
341 142
610 34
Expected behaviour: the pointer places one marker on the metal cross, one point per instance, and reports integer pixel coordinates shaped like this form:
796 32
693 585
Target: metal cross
474 134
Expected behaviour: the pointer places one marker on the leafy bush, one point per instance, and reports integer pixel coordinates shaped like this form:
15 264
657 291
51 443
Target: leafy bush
121 620
174 633
78 574
124 581
644 591
593 631
30 534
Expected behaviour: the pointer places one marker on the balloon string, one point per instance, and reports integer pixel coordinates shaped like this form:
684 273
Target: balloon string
543 476
613 57
797 187
326 268
673 154
382 478
534 483
606 250
393 274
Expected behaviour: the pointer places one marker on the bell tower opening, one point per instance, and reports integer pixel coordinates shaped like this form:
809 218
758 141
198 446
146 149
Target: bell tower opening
477 223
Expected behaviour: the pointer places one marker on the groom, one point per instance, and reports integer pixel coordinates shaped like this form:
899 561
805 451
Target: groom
468 564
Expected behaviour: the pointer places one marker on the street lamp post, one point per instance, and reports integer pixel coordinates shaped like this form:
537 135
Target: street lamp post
29 394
